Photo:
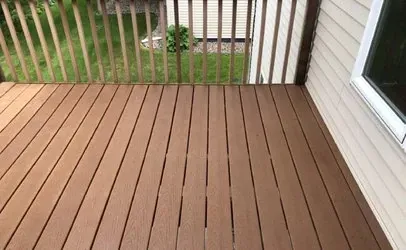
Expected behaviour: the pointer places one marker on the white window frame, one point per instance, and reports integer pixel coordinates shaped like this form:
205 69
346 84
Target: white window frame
380 107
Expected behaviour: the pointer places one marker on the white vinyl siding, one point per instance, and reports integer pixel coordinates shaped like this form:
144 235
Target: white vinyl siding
376 160
282 40
212 17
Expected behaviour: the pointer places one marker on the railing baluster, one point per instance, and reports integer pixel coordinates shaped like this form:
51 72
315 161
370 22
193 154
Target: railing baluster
275 40
27 35
177 35
289 40
79 25
163 31
261 41
136 41
150 42
247 43
107 32
121 27
191 50
42 40
6 53
95 37
233 27
55 40
16 41
204 41
219 34
122 40
66 29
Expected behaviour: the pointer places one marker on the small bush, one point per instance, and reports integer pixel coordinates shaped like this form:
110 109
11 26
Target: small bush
14 16
183 39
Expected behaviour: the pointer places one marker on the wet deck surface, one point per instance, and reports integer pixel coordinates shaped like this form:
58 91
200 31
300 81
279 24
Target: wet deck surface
165 167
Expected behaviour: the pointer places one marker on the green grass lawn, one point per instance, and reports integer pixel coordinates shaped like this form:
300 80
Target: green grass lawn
211 77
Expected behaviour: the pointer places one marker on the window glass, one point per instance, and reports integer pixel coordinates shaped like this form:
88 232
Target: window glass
386 64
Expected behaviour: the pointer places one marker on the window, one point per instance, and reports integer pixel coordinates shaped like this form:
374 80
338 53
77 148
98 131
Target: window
380 70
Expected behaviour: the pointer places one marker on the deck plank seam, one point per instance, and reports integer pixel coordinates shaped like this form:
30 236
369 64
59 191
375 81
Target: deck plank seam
22 108
121 161
56 163
250 164
272 164
164 163
295 167
142 165
337 162
317 165
229 169
74 169
97 168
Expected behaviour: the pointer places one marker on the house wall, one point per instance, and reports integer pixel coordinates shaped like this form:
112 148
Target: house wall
212 19
376 160
281 43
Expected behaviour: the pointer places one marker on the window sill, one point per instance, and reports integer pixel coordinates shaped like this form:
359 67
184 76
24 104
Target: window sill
395 125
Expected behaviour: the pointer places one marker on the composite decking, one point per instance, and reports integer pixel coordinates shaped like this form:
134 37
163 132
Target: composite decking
165 167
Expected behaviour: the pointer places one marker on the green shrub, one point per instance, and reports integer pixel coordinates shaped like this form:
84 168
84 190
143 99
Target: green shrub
183 39
14 16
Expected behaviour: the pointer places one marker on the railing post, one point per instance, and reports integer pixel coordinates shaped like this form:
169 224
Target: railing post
247 43
312 12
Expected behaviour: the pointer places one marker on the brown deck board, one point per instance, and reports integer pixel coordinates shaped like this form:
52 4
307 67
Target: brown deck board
165 226
192 220
10 216
174 167
139 222
352 184
5 86
30 185
34 221
25 161
14 127
13 109
352 220
246 224
219 224
10 151
328 227
273 225
300 225
113 222
62 218
87 220
11 95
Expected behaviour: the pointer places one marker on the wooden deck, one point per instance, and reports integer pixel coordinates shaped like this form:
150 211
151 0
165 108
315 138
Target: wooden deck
165 167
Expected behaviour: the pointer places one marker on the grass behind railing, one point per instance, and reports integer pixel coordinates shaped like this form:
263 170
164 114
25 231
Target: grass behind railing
211 77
